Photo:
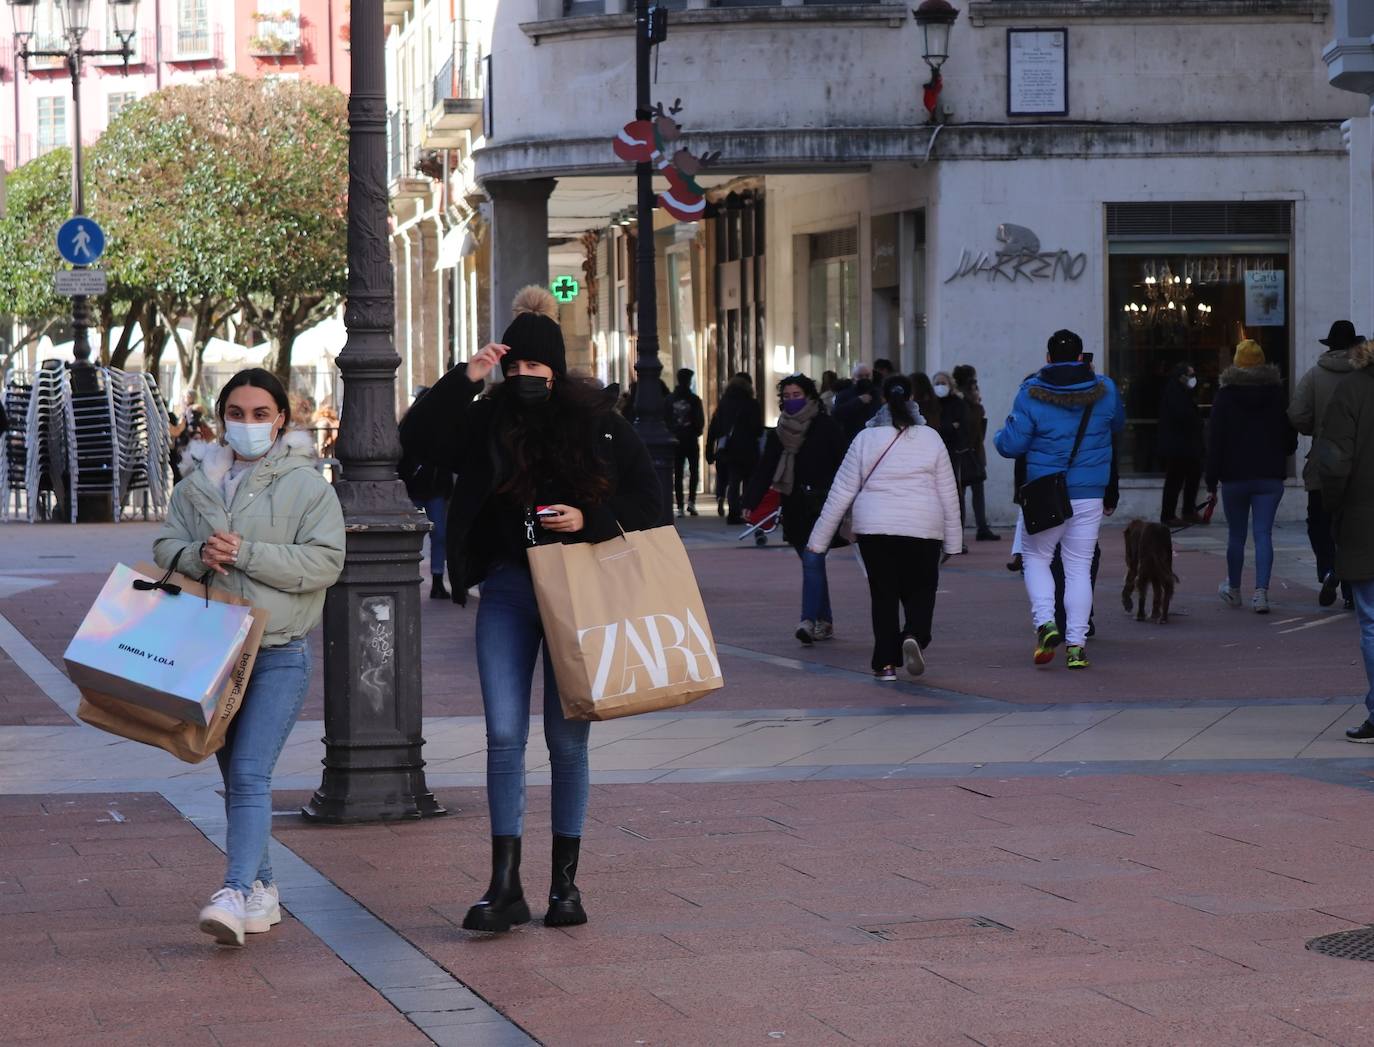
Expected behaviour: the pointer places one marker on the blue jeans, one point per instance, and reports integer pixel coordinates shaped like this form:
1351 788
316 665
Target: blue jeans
436 509
815 587
1241 498
509 638
276 691
1364 612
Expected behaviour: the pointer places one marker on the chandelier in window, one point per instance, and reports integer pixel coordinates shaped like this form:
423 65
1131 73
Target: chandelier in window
1166 304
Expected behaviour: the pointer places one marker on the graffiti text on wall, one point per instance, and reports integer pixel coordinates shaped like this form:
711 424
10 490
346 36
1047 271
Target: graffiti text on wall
1019 258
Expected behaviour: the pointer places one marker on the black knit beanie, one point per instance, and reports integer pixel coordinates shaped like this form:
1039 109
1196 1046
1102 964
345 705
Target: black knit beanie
534 333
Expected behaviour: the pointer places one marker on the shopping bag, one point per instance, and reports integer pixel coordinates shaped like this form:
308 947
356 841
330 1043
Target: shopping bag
624 625
118 705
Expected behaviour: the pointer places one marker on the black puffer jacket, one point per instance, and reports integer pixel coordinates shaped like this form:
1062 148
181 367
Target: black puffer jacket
733 438
1249 436
818 460
448 427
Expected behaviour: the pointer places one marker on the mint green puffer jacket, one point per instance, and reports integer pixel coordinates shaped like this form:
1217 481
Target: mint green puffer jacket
291 525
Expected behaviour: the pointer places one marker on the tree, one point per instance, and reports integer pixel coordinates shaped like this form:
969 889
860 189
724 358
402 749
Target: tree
38 199
225 196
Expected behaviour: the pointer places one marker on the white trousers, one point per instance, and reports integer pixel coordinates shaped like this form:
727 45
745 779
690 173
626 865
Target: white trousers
1076 537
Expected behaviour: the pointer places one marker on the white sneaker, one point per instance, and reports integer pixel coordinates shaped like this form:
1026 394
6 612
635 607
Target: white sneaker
823 630
1260 601
1230 597
263 908
224 917
912 657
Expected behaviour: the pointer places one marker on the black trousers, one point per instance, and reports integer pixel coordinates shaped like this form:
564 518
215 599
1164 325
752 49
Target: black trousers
1061 616
1180 475
980 506
1321 532
903 575
729 488
688 455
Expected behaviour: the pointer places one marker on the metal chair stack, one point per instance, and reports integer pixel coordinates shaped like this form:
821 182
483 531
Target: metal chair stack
14 449
45 438
92 437
142 444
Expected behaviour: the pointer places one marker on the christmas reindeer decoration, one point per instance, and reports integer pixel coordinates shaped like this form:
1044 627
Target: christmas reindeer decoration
653 141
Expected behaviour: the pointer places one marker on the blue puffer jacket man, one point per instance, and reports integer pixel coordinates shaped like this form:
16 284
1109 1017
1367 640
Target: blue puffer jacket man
1045 417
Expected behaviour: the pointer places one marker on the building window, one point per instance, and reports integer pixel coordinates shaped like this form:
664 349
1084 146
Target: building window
116 103
193 27
834 295
1185 283
278 29
52 123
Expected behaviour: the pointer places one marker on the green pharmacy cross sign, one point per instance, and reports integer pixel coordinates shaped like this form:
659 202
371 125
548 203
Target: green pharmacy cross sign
565 289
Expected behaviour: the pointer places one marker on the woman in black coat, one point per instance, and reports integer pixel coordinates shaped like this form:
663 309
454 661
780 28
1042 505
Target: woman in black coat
542 459
732 443
800 460
1180 446
1249 441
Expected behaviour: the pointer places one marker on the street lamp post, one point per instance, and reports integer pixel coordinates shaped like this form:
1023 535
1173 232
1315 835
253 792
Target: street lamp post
650 29
935 18
75 16
372 712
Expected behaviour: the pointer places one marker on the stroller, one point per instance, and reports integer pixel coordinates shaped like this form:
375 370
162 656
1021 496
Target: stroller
764 518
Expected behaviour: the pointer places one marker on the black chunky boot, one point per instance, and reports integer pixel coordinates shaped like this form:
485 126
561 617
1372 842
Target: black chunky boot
503 906
436 588
565 900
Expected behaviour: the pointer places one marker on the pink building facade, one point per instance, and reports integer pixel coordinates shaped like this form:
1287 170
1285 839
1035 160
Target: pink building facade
178 41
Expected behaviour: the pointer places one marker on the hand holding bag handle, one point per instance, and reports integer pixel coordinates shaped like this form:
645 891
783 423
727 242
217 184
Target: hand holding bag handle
1045 500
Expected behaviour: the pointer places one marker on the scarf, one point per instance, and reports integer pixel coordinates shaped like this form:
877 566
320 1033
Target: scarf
791 434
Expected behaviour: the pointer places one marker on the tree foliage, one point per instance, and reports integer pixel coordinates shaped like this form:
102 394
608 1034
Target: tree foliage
223 197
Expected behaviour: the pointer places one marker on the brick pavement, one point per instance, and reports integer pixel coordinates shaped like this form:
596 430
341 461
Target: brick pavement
1094 911
98 898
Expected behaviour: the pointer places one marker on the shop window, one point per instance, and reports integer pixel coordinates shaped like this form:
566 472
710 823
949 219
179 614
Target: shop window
1176 298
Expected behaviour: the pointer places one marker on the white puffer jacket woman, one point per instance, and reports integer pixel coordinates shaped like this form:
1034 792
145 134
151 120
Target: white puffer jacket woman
898 479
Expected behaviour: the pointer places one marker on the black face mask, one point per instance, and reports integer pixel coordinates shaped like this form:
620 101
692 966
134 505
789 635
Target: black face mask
529 389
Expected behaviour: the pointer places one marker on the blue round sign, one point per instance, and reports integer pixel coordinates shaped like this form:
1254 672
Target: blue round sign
80 241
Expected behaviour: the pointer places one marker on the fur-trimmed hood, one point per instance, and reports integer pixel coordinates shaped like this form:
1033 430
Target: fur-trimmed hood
293 449
1337 360
1264 374
1361 355
1070 385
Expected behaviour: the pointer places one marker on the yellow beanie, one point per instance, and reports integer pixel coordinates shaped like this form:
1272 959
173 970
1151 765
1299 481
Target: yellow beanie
1249 354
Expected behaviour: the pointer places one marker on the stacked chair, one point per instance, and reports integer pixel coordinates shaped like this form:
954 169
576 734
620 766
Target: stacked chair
75 433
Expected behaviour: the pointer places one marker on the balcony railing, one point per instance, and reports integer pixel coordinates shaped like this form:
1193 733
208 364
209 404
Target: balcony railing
277 36
144 45
460 76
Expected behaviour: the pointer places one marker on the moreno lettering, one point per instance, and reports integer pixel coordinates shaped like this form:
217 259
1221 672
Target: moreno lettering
1020 258
647 653
157 659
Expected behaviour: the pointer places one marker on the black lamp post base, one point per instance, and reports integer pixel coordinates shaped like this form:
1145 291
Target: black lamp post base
387 794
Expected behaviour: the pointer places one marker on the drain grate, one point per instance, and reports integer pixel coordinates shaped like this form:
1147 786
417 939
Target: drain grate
1346 945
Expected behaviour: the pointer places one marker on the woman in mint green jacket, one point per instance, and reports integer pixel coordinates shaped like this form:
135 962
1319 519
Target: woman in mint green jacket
267 526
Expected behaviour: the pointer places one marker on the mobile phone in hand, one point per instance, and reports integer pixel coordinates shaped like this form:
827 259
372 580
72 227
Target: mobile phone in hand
543 512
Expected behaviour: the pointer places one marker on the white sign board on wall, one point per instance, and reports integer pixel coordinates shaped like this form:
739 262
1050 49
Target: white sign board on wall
1264 298
1037 72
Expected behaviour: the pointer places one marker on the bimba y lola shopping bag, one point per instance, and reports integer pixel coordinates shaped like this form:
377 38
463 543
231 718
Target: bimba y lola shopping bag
164 660
624 624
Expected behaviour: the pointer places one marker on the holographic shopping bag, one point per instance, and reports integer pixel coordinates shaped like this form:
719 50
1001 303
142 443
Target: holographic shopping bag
135 710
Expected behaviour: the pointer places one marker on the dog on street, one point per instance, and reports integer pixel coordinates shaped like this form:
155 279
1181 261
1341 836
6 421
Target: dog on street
1149 564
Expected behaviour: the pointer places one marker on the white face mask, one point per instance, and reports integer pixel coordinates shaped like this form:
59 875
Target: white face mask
1192 383
941 390
250 439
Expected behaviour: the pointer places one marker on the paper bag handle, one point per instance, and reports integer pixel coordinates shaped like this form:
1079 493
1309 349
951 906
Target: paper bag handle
167 585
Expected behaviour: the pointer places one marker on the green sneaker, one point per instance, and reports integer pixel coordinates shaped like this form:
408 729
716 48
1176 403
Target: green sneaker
1047 638
1077 657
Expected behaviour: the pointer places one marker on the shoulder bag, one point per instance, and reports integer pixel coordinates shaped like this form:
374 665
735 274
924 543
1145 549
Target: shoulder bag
1045 500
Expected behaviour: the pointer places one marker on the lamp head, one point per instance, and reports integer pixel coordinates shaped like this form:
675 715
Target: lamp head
22 13
76 18
936 18
125 15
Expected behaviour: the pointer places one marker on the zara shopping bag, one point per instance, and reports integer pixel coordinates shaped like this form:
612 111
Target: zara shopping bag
625 625
164 662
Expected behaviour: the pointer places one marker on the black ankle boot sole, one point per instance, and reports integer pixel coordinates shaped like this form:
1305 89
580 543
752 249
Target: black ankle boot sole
485 918
565 912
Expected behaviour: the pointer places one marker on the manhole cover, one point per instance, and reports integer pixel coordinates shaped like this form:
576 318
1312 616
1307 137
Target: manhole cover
1346 945
915 930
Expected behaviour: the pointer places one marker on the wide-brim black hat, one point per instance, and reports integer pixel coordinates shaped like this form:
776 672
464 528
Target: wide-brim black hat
1341 336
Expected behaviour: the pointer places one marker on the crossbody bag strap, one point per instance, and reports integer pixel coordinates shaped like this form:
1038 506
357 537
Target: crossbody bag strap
1078 440
879 461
